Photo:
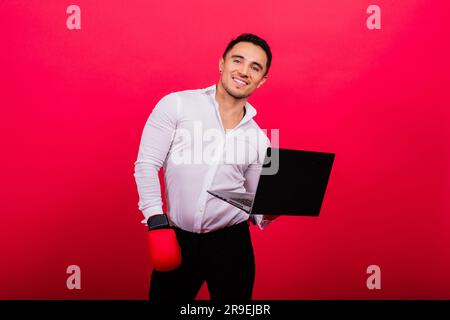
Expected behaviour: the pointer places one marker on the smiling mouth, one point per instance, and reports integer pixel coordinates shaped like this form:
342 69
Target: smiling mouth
239 83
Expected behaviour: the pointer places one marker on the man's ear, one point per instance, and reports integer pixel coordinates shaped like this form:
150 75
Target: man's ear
261 82
221 64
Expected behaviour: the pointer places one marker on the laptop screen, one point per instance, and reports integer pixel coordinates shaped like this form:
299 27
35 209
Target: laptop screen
293 182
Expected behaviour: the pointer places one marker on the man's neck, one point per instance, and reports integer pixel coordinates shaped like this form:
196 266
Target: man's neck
227 104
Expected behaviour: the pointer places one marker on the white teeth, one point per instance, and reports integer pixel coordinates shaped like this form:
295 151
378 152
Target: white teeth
239 81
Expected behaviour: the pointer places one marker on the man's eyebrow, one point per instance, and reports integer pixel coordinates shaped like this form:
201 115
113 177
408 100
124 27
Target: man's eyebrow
253 62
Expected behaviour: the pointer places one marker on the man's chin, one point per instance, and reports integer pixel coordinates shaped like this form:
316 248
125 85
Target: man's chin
237 94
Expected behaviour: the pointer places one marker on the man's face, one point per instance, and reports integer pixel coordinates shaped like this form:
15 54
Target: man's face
243 69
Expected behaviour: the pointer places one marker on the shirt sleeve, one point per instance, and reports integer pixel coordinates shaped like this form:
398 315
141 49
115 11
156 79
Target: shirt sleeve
252 175
155 142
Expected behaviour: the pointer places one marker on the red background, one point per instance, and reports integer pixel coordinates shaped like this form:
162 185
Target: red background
74 103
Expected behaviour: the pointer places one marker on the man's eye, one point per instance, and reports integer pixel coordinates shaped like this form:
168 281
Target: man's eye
237 61
256 69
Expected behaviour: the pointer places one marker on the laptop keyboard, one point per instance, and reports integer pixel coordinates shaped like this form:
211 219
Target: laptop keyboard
245 202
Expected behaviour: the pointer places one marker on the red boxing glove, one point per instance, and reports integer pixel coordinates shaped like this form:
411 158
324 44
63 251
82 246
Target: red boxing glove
164 250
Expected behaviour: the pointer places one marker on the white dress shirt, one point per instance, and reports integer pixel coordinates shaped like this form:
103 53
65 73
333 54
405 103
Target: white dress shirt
184 134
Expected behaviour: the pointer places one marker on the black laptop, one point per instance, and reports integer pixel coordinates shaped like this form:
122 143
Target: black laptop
292 182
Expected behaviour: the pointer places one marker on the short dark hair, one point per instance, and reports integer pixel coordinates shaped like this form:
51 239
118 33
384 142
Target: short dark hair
248 37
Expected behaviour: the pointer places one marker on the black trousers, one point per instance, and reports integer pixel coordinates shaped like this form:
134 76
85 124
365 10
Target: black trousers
223 258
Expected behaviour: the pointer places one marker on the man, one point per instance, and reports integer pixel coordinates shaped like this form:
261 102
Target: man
213 236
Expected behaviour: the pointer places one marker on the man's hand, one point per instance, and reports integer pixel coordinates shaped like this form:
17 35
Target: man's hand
164 250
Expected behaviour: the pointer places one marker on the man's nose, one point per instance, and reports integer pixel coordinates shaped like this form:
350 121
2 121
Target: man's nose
243 70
